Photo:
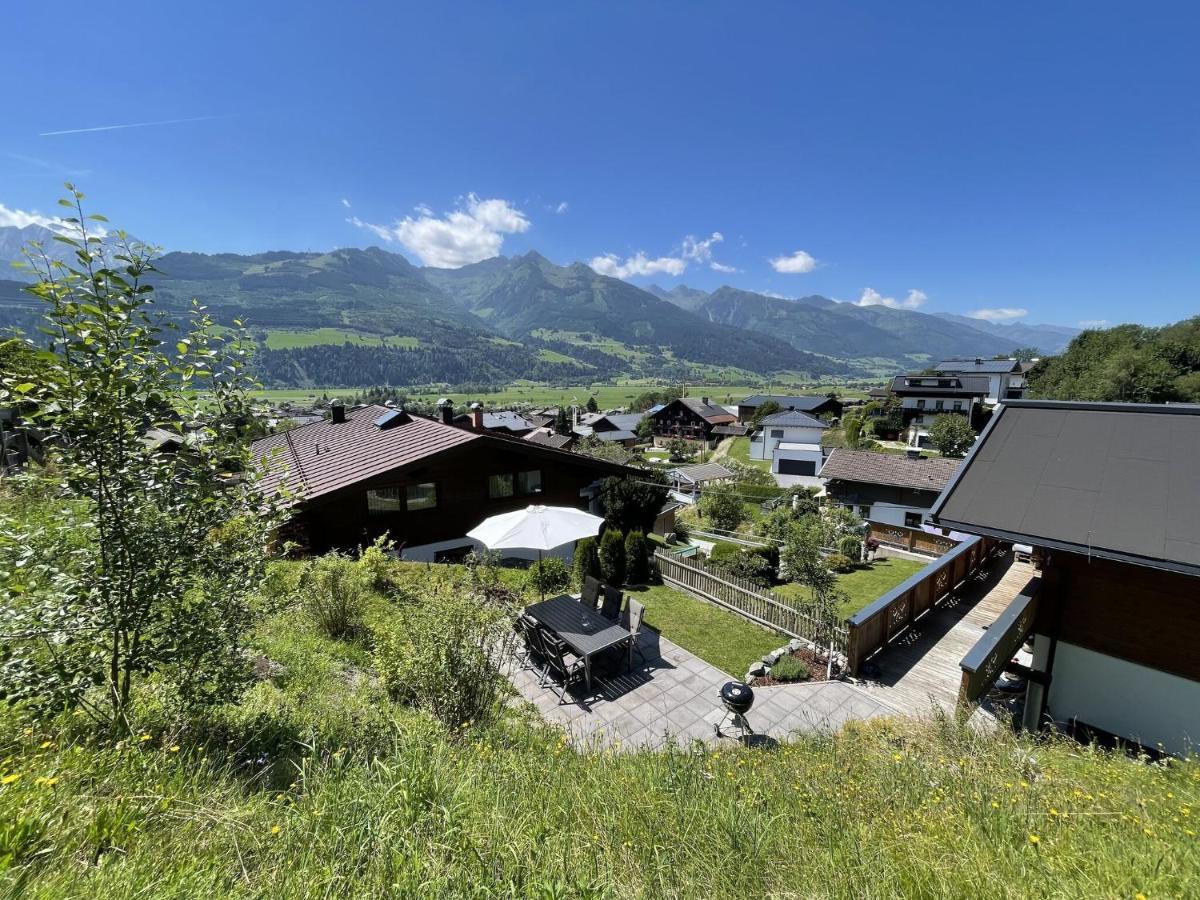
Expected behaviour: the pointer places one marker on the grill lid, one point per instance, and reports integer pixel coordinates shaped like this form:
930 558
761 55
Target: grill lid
737 697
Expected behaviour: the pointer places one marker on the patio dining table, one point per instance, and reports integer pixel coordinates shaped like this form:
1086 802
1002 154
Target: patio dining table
585 631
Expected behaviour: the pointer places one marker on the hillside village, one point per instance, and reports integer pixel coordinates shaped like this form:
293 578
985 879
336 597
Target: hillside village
596 451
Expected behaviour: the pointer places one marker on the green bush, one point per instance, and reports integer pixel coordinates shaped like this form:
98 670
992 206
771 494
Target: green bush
839 562
758 564
443 653
637 558
722 508
612 557
790 669
587 560
850 546
548 576
335 592
682 532
724 552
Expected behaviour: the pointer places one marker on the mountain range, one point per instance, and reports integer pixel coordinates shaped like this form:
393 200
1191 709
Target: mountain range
354 317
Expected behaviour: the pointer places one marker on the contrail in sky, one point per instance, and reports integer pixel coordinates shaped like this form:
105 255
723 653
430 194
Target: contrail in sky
130 125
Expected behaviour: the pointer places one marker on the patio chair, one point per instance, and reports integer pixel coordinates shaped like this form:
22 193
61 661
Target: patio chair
611 608
525 650
566 666
590 595
634 613
540 652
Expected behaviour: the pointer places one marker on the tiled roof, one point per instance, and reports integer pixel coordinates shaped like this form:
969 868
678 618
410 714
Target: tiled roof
614 435
504 419
734 430
929 474
557 441
965 385
326 457
979 366
716 415
802 402
793 419
623 421
702 472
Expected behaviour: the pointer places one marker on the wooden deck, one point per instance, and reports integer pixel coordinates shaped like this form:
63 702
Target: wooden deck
920 668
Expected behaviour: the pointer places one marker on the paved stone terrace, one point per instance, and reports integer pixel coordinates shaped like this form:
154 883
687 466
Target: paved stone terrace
671 696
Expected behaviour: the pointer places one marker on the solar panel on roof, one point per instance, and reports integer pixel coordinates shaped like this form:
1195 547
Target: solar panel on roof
390 418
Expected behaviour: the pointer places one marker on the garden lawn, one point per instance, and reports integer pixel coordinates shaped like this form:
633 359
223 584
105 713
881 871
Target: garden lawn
740 451
716 636
864 585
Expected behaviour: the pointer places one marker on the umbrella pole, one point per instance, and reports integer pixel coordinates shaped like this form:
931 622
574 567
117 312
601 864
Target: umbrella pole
541 578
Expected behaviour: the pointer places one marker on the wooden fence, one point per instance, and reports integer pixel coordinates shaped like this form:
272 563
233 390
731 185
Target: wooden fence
874 626
750 601
914 540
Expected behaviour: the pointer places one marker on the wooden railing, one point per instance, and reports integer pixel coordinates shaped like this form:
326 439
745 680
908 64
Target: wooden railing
874 626
750 601
914 540
988 657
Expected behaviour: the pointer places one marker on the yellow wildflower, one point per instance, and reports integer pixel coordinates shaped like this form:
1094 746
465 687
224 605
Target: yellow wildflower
9 779
174 748
144 737
275 829
1034 839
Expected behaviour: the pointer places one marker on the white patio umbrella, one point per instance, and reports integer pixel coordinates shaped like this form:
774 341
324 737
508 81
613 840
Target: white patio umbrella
536 528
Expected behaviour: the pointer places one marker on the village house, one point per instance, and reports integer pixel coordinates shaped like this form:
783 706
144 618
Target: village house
611 428
424 483
1107 495
791 442
925 397
885 487
1005 377
818 405
500 422
691 419
689 481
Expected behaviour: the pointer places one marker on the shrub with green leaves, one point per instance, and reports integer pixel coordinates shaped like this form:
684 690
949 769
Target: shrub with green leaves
443 653
789 668
587 560
548 576
637 558
850 546
839 562
612 557
334 592
722 507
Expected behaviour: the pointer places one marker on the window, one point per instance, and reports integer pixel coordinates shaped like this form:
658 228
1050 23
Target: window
864 511
776 432
912 520
921 403
500 486
939 404
958 406
383 501
422 496
530 482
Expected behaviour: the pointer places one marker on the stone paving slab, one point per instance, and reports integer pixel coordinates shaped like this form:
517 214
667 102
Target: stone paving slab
671 697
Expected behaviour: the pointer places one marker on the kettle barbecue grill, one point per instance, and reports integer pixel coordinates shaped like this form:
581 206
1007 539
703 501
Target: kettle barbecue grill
737 698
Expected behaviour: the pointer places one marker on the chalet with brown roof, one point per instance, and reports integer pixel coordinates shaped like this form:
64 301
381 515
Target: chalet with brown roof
886 487
689 418
425 483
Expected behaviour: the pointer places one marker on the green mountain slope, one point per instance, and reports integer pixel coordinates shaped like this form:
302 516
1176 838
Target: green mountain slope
529 296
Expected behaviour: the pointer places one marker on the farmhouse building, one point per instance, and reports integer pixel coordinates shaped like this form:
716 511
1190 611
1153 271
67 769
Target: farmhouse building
689 418
885 487
818 405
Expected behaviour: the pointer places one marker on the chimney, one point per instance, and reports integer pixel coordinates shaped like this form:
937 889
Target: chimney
446 410
338 411
477 416
978 361
704 400
913 453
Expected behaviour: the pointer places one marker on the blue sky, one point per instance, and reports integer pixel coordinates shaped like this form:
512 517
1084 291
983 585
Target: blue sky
949 156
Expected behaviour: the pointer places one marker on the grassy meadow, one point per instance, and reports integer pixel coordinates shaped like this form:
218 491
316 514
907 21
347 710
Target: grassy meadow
319 784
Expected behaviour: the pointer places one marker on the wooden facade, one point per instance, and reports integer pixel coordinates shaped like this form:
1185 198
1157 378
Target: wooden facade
1145 616
678 420
464 490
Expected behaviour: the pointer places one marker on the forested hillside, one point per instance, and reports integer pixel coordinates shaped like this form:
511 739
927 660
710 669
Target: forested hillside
1129 363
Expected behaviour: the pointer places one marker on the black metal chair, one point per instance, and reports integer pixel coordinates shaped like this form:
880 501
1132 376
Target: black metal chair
634 613
590 594
528 651
566 666
611 608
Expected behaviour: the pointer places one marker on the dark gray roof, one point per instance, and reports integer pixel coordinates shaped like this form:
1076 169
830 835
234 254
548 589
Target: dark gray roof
803 402
614 435
733 429
702 472
979 366
622 421
715 414
1115 480
868 467
792 419
557 441
963 385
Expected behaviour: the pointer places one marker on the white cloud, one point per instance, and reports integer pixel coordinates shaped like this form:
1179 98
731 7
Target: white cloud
999 314
638 264
796 264
701 251
872 297
1094 323
345 203
562 208
19 218
721 267
473 232
776 296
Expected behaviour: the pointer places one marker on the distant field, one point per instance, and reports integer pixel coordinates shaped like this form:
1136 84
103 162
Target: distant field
608 396
285 339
